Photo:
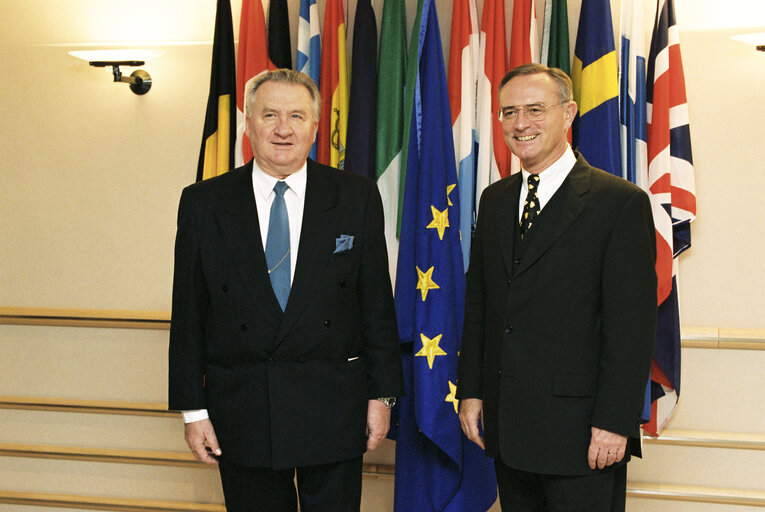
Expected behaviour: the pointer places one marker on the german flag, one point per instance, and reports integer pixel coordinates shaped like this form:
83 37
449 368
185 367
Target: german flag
217 153
279 50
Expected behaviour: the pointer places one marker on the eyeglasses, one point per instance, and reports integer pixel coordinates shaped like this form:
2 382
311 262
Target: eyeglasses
533 112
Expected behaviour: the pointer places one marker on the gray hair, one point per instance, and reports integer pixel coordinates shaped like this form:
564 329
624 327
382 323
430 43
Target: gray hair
283 76
565 86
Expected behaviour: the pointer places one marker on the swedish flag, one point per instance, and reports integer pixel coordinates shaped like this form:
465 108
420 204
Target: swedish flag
596 88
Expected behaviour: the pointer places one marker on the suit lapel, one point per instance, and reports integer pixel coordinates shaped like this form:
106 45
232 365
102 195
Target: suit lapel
238 223
507 215
563 208
317 241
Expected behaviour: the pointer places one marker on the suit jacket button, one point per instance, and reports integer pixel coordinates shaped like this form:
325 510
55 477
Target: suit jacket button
271 360
327 323
517 261
509 282
508 329
342 283
244 327
224 288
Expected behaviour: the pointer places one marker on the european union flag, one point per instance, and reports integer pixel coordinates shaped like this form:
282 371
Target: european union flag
437 468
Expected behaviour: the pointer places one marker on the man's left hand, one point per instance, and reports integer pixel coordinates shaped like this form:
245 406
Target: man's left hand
606 448
378 423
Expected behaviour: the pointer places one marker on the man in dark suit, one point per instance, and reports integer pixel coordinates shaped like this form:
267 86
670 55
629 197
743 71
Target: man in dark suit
279 375
560 313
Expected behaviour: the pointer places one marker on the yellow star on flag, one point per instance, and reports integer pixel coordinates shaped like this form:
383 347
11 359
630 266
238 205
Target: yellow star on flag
449 189
440 221
425 282
430 348
452 397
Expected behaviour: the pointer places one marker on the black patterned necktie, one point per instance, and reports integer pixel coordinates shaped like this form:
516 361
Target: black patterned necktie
531 206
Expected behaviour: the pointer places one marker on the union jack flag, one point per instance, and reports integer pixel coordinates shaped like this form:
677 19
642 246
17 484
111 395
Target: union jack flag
673 197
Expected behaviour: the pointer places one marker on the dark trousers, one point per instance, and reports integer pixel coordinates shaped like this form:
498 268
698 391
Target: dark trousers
332 487
521 491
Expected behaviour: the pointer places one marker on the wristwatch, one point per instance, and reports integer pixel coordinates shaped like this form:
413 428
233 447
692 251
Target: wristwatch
389 401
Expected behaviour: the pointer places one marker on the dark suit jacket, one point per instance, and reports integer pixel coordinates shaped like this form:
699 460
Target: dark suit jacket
283 389
560 339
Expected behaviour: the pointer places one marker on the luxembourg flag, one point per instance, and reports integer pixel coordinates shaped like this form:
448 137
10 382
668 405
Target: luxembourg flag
671 186
462 84
493 155
309 46
252 59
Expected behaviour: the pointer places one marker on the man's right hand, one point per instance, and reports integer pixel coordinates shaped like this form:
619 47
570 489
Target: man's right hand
197 434
471 412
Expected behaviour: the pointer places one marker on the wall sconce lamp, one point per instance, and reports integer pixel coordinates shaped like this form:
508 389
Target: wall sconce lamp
139 80
757 40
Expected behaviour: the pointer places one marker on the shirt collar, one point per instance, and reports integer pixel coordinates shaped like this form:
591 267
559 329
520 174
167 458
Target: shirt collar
264 183
557 171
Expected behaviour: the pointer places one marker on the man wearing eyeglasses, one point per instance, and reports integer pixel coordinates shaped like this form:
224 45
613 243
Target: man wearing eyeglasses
560 313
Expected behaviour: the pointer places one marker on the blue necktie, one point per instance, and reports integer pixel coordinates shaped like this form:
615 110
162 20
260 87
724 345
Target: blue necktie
278 246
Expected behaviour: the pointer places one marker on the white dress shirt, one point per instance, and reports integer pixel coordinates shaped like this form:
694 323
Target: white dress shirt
550 180
294 200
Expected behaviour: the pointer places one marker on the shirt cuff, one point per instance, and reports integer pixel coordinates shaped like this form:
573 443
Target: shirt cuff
196 415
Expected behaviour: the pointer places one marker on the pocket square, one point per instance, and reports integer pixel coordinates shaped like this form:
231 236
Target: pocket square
343 243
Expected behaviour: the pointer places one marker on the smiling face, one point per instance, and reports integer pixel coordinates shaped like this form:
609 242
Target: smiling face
281 127
537 143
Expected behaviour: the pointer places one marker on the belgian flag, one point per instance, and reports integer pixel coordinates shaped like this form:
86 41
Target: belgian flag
217 153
